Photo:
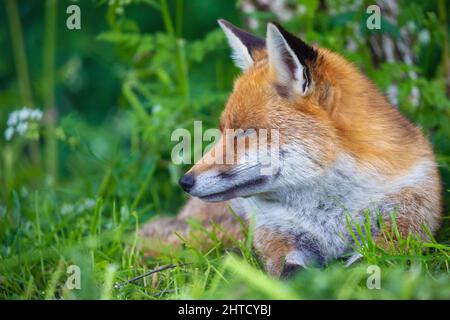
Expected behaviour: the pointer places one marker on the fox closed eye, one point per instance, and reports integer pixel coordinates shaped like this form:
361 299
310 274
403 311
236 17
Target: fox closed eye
244 133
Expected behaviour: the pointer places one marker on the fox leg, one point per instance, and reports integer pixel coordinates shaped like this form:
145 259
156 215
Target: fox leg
414 209
165 233
284 253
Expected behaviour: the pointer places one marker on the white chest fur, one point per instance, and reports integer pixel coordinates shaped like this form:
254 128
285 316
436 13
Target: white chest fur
320 207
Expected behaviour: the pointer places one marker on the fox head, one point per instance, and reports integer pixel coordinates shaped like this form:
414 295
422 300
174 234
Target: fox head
292 93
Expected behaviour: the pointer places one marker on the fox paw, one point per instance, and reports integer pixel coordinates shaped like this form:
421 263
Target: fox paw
290 270
297 260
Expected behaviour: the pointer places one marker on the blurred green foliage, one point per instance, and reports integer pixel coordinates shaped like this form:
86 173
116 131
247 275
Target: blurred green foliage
135 71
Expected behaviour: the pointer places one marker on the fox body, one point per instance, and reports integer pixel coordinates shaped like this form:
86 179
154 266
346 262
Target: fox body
343 150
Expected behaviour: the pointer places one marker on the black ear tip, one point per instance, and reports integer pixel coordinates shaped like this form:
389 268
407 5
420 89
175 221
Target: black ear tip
300 48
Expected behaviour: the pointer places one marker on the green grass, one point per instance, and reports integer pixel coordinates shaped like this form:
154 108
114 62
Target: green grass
41 241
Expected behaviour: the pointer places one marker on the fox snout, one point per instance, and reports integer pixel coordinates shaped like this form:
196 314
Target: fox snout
215 186
223 182
187 181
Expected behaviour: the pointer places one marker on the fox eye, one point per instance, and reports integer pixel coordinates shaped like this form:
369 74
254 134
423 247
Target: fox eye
244 133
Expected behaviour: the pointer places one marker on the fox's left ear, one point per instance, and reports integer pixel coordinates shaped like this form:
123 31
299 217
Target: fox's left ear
242 44
291 58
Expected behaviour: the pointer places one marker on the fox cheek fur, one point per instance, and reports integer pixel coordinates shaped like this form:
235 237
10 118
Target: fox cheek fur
343 150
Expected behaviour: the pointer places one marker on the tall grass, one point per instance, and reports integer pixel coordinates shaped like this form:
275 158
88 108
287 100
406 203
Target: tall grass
42 247
48 81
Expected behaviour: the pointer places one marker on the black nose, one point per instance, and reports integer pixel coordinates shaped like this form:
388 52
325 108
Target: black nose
187 182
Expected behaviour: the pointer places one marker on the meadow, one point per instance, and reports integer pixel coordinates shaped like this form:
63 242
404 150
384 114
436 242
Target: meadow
86 117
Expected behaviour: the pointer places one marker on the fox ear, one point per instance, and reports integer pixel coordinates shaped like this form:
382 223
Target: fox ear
242 44
291 59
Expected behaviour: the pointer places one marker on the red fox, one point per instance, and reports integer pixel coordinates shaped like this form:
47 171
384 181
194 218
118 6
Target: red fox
343 151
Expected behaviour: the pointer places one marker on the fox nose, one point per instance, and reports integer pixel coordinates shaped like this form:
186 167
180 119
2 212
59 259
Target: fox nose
187 182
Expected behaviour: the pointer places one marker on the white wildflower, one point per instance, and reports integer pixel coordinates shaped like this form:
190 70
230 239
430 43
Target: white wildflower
24 114
36 114
80 207
157 108
19 120
66 208
9 132
87 204
13 119
301 9
424 36
22 128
